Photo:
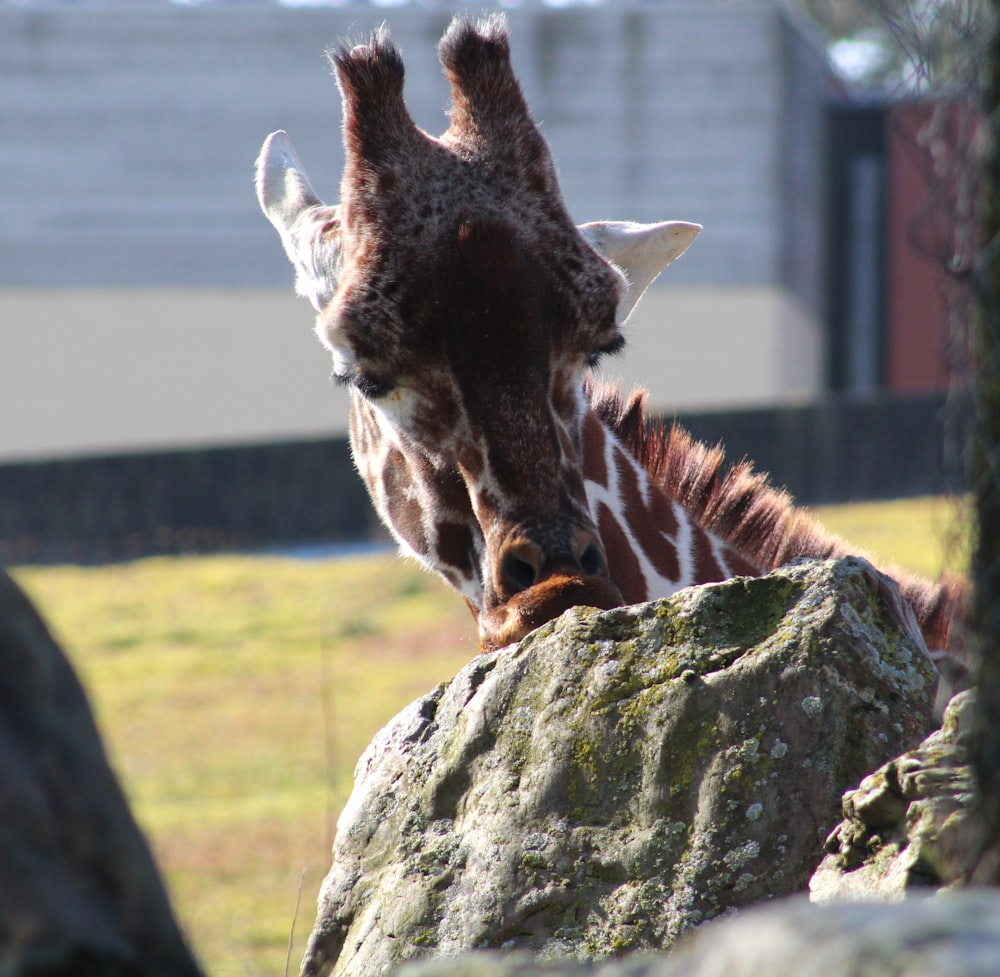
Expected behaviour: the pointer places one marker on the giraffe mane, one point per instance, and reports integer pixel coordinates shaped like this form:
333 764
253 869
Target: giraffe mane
748 512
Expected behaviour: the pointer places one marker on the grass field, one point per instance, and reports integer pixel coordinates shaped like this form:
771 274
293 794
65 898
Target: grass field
236 694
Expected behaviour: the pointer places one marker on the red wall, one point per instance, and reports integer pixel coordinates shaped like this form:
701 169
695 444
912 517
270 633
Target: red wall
920 239
915 307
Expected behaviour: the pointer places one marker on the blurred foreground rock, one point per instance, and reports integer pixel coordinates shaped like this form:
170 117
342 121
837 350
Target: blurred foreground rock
910 825
955 936
619 777
79 891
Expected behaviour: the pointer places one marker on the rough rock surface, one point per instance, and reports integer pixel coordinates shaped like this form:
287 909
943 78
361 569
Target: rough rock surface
945 937
619 777
910 824
79 891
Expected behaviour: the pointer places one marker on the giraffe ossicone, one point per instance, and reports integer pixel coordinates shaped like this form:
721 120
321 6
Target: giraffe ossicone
463 309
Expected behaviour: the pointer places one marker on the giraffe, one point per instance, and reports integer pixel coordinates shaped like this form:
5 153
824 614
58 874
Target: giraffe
463 310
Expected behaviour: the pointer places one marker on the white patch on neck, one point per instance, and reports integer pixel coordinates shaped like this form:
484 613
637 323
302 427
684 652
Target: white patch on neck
683 544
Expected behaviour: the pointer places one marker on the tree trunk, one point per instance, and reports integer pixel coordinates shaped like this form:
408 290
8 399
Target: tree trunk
985 471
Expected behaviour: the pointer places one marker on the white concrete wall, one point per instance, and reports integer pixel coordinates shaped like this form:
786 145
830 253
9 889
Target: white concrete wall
695 348
144 301
108 370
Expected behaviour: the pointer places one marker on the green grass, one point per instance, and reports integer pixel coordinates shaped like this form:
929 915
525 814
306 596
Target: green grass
926 535
236 694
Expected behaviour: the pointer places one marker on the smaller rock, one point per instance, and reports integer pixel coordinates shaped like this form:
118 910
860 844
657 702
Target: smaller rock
909 825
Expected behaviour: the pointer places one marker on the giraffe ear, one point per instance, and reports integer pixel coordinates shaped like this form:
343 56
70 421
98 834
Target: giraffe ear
640 251
310 230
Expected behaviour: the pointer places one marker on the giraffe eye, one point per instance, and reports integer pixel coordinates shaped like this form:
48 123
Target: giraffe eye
370 387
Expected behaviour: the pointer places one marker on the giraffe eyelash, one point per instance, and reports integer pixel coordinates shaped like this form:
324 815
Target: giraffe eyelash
365 385
614 347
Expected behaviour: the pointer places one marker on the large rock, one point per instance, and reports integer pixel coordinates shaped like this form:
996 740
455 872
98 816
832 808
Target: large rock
79 891
619 777
910 825
947 937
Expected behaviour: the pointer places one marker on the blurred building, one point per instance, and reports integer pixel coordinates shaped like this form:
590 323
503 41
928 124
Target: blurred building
894 223
145 301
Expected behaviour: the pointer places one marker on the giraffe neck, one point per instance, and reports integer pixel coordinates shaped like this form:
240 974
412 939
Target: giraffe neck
655 547
758 526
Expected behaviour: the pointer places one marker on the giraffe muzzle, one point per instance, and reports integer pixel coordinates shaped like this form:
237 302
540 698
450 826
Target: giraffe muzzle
523 564
537 605
535 587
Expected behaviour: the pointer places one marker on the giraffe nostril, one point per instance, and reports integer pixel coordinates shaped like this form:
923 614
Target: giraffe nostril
518 574
522 564
592 561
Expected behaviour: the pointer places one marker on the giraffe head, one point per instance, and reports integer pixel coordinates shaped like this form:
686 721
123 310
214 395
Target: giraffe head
463 309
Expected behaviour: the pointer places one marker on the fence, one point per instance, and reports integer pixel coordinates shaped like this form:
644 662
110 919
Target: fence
100 509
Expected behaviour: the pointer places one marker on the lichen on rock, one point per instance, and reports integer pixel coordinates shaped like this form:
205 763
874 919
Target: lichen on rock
619 777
